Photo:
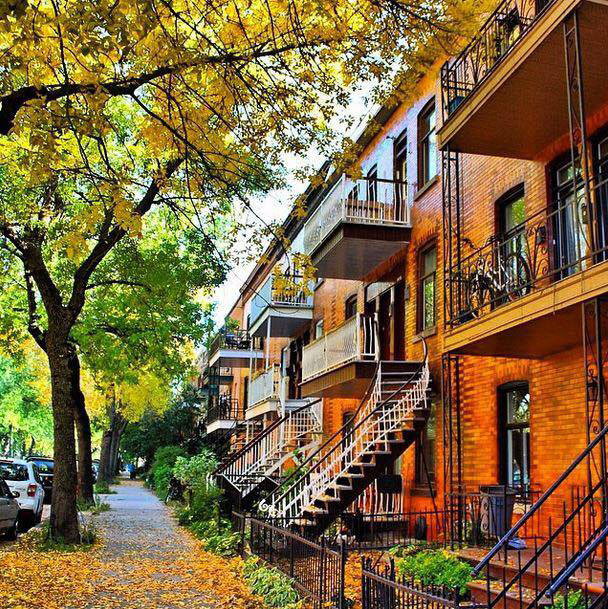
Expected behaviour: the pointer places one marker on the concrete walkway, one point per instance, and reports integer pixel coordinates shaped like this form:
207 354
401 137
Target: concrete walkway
147 562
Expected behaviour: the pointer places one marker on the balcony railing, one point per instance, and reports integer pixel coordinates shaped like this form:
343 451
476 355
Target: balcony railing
552 244
281 290
238 340
356 339
364 201
223 408
265 386
504 29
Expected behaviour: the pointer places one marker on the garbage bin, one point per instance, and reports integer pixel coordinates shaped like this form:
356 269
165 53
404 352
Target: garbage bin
498 503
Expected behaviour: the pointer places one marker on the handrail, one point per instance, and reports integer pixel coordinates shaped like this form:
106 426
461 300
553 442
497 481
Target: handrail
355 427
261 436
541 500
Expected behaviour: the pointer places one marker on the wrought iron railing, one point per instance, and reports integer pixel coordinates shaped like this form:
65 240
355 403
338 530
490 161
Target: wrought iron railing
223 408
239 340
364 201
356 339
551 244
572 512
383 588
504 29
285 290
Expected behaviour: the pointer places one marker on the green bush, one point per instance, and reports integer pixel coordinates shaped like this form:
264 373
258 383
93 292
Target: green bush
162 468
217 536
274 587
576 600
437 567
204 505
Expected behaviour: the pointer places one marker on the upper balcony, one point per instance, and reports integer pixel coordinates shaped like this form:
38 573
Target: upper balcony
357 226
264 392
234 349
223 413
281 307
506 94
520 293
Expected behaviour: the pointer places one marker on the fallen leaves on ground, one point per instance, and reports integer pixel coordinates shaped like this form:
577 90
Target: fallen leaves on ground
167 579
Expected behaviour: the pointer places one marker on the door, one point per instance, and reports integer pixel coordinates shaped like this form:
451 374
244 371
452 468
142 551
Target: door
399 322
569 222
8 507
348 422
384 325
601 170
400 171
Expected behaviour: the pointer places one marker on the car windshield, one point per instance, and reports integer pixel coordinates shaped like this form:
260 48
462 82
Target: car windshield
14 472
44 467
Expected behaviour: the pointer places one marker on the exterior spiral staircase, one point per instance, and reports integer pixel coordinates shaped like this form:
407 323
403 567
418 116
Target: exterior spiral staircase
384 426
258 464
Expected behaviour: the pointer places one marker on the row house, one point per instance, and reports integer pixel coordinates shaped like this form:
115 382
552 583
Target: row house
450 356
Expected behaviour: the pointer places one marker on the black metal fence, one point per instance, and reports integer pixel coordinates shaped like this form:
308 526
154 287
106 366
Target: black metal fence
383 588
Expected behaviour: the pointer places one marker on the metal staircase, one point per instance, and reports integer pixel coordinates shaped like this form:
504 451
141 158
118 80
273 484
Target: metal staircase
569 555
384 425
259 463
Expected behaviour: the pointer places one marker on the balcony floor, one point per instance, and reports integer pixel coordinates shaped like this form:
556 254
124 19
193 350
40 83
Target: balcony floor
269 405
234 358
352 251
521 107
546 321
284 321
221 425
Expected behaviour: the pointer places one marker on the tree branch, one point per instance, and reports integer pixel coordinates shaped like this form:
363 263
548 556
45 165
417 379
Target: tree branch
134 284
32 310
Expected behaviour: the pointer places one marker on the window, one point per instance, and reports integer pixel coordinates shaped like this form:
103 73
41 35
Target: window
319 329
400 167
350 307
425 450
427 147
428 270
372 184
514 436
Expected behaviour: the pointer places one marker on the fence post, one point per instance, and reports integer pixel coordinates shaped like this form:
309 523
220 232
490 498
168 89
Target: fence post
343 557
322 572
270 548
291 565
243 526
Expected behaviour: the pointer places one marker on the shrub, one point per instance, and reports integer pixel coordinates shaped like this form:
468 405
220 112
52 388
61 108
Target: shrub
274 587
204 505
162 468
576 600
217 536
193 472
437 567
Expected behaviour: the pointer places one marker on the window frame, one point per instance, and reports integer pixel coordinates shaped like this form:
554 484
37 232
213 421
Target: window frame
426 249
424 143
425 442
319 324
352 299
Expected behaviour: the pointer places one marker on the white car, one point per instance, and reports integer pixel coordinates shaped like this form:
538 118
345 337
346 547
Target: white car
9 512
24 482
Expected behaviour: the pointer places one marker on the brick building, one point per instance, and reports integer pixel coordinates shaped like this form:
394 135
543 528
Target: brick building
479 229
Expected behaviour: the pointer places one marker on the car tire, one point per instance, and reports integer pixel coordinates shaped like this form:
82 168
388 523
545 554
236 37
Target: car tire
26 520
11 534
38 517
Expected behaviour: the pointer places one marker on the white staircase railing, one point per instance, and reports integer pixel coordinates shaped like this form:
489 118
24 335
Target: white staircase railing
354 340
298 429
376 420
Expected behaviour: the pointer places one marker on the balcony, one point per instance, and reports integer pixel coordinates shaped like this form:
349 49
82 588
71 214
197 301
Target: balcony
282 307
357 226
507 297
264 393
511 80
223 413
234 349
342 362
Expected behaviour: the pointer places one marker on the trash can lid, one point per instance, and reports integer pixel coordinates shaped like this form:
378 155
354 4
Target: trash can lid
497 489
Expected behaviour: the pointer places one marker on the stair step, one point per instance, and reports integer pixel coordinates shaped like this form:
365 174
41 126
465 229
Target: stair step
362 464
313 509
328 498
340 487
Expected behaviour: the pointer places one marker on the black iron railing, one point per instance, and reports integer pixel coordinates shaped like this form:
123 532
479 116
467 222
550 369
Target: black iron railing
317 570
383 588
502 31
239 340
223 408
551 244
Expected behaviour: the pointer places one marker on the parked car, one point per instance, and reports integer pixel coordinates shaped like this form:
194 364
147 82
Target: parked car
9 512
45 467
95 469
23 480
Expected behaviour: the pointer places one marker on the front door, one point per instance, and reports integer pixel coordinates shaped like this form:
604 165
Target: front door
601 170
399 322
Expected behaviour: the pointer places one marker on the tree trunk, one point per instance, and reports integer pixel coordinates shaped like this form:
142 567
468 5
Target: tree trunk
83 432
118 428
105 457
64 515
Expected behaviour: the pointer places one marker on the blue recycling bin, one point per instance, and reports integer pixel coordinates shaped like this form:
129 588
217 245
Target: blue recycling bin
500 501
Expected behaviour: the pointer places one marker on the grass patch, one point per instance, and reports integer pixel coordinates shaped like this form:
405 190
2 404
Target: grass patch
103 488
40 540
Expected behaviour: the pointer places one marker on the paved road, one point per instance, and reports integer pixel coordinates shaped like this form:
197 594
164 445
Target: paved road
146 560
